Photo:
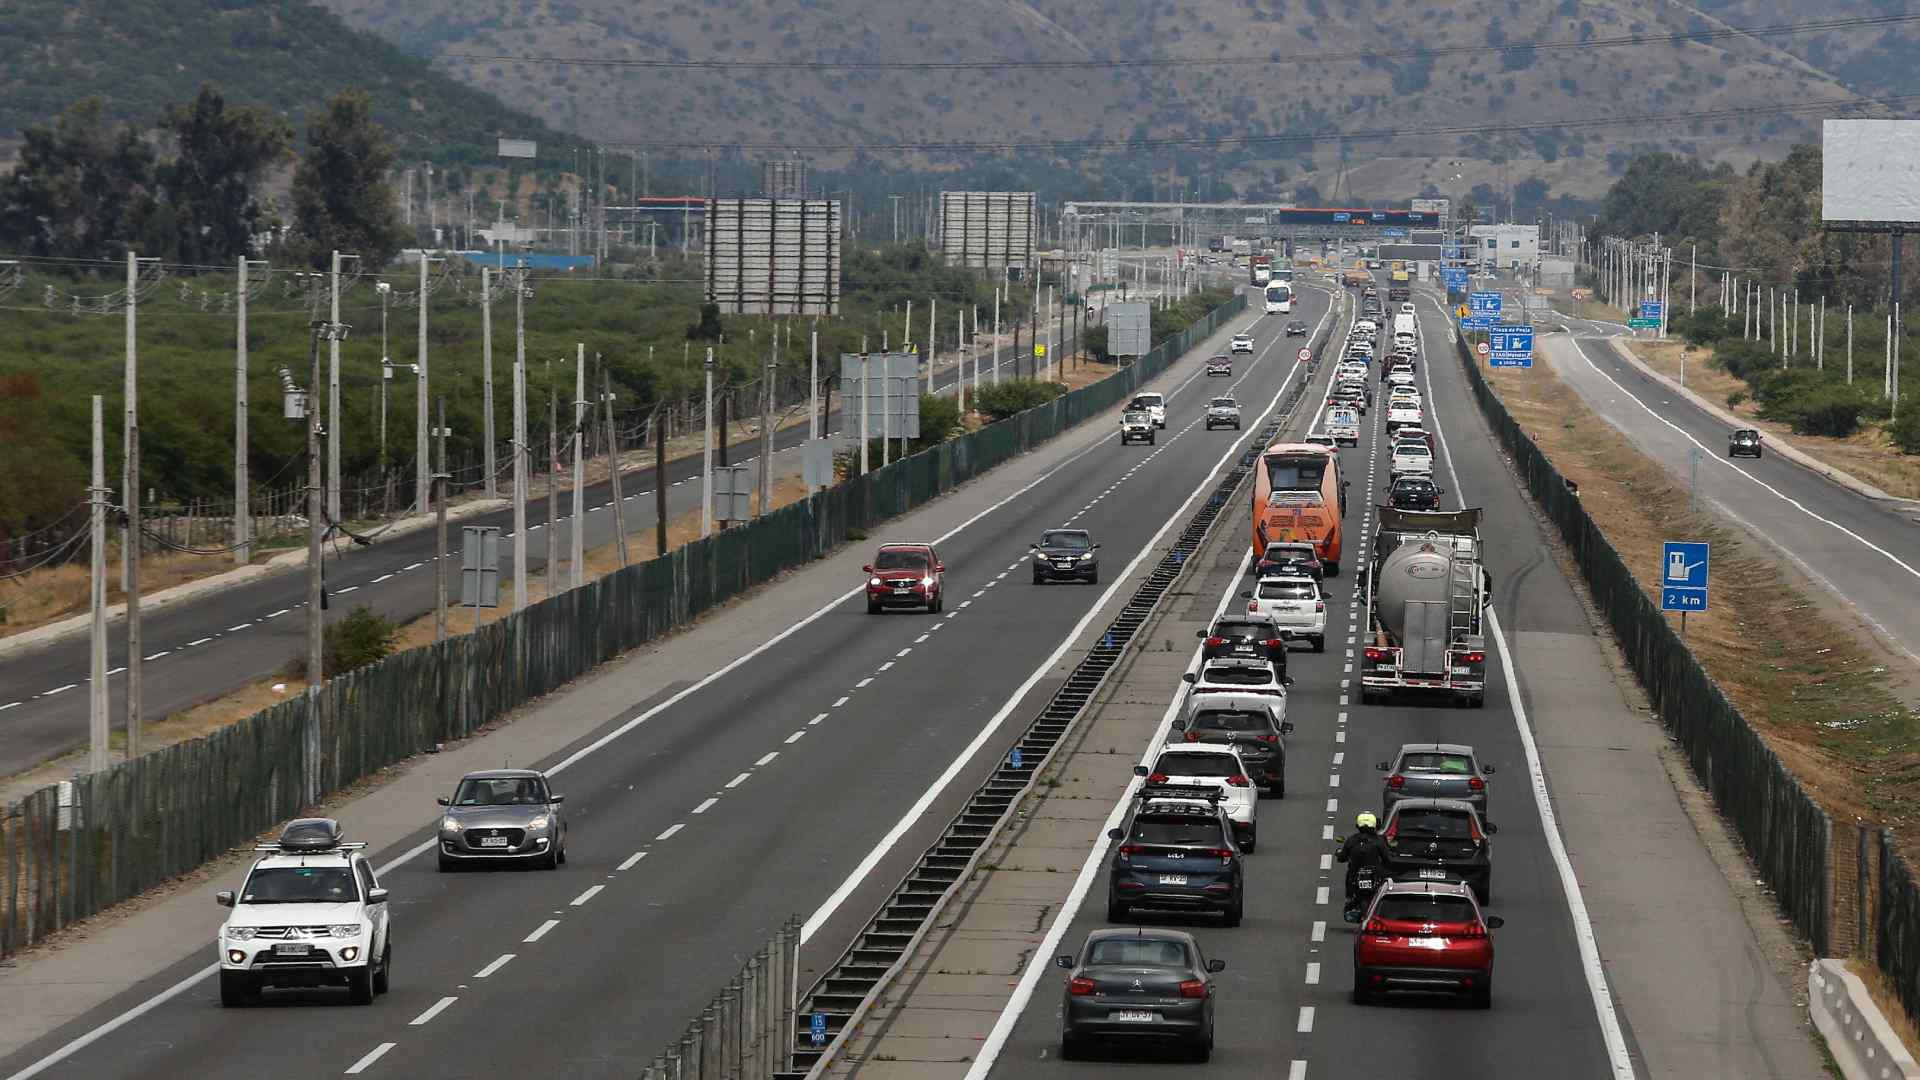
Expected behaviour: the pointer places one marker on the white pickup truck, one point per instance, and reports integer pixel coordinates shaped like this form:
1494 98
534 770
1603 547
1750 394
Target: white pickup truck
1154 405
1136 426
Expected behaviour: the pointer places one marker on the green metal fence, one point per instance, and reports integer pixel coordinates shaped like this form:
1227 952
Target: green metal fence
1785 830
76 848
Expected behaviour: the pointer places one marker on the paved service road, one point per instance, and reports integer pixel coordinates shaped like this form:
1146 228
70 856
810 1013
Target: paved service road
199 649
1864 551
804 780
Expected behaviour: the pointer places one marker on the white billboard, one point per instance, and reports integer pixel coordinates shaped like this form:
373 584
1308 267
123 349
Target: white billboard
774 256
517 148
1430 206
990 230
1870 172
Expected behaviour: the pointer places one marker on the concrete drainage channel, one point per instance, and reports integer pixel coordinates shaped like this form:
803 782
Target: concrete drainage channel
849 988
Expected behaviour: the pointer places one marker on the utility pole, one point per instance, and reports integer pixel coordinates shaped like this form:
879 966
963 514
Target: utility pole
996 337
613 463
440 530
422 459
242 519
766 428
553 485
933 351
965 349
706 456
131 544
866 394
334 427
659 424
97 703
316 528
813 382
486 372
1693 272
386 375
1849 344
520 447
577 553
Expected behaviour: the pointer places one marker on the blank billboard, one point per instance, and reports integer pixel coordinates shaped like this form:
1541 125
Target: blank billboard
517 148
1870 172
990 230
774 256
1129 328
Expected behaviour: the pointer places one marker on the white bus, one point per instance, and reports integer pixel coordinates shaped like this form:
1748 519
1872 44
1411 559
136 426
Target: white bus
1279 298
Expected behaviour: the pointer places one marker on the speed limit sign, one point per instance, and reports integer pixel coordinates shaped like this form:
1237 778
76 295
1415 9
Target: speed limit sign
1305 354
1482 349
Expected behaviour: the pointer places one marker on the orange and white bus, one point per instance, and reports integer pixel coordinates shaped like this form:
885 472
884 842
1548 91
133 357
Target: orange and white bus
1298 496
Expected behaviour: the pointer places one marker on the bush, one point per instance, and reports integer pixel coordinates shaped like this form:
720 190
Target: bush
360 637
1016 396
1905 431
1813 406
1704 327
1744 359
1736 399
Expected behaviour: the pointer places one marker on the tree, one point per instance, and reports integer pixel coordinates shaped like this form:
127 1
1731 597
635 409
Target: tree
341 198
1673 196
212 185
83 188
39 480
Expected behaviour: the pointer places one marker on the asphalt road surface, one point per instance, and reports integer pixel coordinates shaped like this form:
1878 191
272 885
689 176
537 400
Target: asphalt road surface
755 797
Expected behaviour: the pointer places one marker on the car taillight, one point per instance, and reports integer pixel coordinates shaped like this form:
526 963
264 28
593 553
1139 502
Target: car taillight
1472 657
1253 607
1221 853
1319 605
1473 828
1157 778
1396 781
1392 831
1239 781
1476 784
1471 930
1379 654
1080 986
1375 926
1215 642
1193 736
1193 988
1270 739
1273 643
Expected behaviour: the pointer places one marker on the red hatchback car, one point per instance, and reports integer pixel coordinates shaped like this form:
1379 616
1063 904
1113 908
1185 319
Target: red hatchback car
905 575
1425 936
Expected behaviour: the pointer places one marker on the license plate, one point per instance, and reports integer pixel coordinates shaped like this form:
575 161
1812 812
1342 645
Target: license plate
1132 1016
292 948
1433 875
493 841
903 588
1173 879
1063 566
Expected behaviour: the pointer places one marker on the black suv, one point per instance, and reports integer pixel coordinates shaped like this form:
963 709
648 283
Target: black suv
1066 555
1245 637
1744 443
1440 840
1255 732
1176 852
1414 493
1290 558
1297 328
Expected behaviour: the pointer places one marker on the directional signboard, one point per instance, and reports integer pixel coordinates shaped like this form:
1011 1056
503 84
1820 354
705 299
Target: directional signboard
1683 577
1454 277
1484 303
1512 346
1476 322
1643 324
1650 309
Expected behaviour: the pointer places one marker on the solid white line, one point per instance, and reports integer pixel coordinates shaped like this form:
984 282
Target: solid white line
738 780
766 758
629 861
498 962
592 891
670 830
1305 1026
433 1010
708 804
541 931
795 737
352 1070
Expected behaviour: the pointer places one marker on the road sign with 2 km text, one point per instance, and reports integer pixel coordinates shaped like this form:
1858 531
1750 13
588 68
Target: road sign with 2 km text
1683 576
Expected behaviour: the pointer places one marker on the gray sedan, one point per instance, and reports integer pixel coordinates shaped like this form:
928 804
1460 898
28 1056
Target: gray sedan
1435 771
503 815
1138 985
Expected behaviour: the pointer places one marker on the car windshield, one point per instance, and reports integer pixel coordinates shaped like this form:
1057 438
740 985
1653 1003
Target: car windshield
1277 552
1138 951
900 559
1407 487
1198 765
1069 541
1453 764
500 791
1242 631
1287 590
1229 720
1425 908
1411 449
1147 401
1237 675
300 885
1224 403
1447 824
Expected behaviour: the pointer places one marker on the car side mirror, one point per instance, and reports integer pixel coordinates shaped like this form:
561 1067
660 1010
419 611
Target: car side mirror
1201 634
939 568
224 898
1383 766
556 799
1064 960
1439 491
1215 967
1178 725
376 896
1286 680
1488 769
1324 595
1140 770
1246 595
1034 547
1187 678
868 569
1096 547
444 801
1116 833
1286 727
1490 827
1495 922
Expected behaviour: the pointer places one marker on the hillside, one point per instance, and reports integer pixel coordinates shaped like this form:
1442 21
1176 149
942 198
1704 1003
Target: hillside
142 55
1304 92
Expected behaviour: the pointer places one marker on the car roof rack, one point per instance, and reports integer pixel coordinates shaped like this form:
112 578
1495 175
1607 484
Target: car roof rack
1196 792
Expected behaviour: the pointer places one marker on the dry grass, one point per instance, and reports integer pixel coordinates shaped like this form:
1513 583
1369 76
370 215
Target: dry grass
1813 688
56 592
1883 995
1868 454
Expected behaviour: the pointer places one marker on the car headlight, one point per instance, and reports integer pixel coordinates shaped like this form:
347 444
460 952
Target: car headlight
928 580
1088 557
346 930
241 933
873 581
539 823
450 824
235 956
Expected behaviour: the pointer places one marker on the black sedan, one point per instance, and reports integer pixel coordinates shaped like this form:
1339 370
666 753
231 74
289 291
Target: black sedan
1133 985
1245 637
1297 328
1744 443
1066 555
1414 493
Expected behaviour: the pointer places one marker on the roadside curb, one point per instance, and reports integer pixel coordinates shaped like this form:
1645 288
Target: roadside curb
1781 446
1863 1045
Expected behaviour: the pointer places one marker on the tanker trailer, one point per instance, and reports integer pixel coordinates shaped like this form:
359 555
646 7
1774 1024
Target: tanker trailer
1426 591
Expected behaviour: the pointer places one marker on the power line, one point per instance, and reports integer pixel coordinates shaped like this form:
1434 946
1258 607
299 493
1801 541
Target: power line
1272 59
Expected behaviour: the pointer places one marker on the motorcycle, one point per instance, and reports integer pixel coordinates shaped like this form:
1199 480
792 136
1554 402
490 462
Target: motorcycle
1366 881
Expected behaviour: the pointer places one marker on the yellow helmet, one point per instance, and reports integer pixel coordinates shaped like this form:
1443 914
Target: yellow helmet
1366 820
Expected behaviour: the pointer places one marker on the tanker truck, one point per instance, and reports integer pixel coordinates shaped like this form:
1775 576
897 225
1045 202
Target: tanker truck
1426 591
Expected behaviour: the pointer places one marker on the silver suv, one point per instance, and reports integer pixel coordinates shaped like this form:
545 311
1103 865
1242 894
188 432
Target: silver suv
1223 412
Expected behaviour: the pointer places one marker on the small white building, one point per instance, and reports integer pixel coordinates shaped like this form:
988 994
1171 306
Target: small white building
1506 246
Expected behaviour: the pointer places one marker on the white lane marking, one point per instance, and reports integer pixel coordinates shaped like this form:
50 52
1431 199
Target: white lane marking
380 579
60 689
243 626
766 758
795 737
816 719
1333 780
592 891
1319 932
1326 832
1297 1070
158 655
670 830
980 594
738 780
1333 805
433 1010
1305 1026
921 640
416 566
839 703
1339 757
115 671
886 666
964 604
629 862
1583 935
11 705
1343 718
1326 860
343 592
200 641
540 931
863 683
498 962
708 804
355 1069
1320 895
902 653
283 611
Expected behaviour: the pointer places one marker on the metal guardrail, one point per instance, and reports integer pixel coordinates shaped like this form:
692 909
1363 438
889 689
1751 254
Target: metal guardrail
741 1033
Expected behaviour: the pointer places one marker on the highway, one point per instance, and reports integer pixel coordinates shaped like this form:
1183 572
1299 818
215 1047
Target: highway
198 649
803 779
1862 551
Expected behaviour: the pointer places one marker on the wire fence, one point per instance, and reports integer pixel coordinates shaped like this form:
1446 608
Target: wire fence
76 848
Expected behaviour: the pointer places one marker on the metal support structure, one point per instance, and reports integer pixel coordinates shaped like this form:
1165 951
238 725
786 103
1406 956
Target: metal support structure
440 558
131 545
97 698
613 463
706 456
423 461
486 382
242 516
520 448
576 532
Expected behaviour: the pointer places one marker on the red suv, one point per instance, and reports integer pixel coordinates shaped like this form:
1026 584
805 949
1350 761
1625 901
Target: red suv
1425 936
905 575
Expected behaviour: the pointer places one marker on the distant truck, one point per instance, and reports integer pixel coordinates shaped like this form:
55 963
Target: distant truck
1399 287
1426 592
1241 247
1259 269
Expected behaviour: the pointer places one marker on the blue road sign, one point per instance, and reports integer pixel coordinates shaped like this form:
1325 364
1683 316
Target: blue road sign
818 1031
1650 309
1510 346
1342 216
1395 233
1484 303
1454 277
1450 251
1476 322
1683 576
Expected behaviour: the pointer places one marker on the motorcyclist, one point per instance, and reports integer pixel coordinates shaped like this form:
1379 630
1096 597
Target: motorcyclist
1364 848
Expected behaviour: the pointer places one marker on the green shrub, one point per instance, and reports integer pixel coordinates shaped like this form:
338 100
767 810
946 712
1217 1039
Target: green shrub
1736 399
1743 359
1704 327
1905 431
1016 396
360 638
1814 406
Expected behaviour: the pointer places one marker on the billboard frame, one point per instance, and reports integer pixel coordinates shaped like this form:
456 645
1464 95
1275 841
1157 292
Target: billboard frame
995 217
773 256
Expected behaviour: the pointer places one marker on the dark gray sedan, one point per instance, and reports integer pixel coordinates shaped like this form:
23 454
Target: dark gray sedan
1435 771
503 815
1066 555
1138 985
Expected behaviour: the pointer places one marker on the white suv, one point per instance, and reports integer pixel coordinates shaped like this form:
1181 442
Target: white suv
1297 605
1411 459
1211 765
1242 343
1153 404
309 914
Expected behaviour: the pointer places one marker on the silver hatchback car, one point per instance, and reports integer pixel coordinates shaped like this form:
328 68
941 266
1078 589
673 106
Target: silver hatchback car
503 815
1435 771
